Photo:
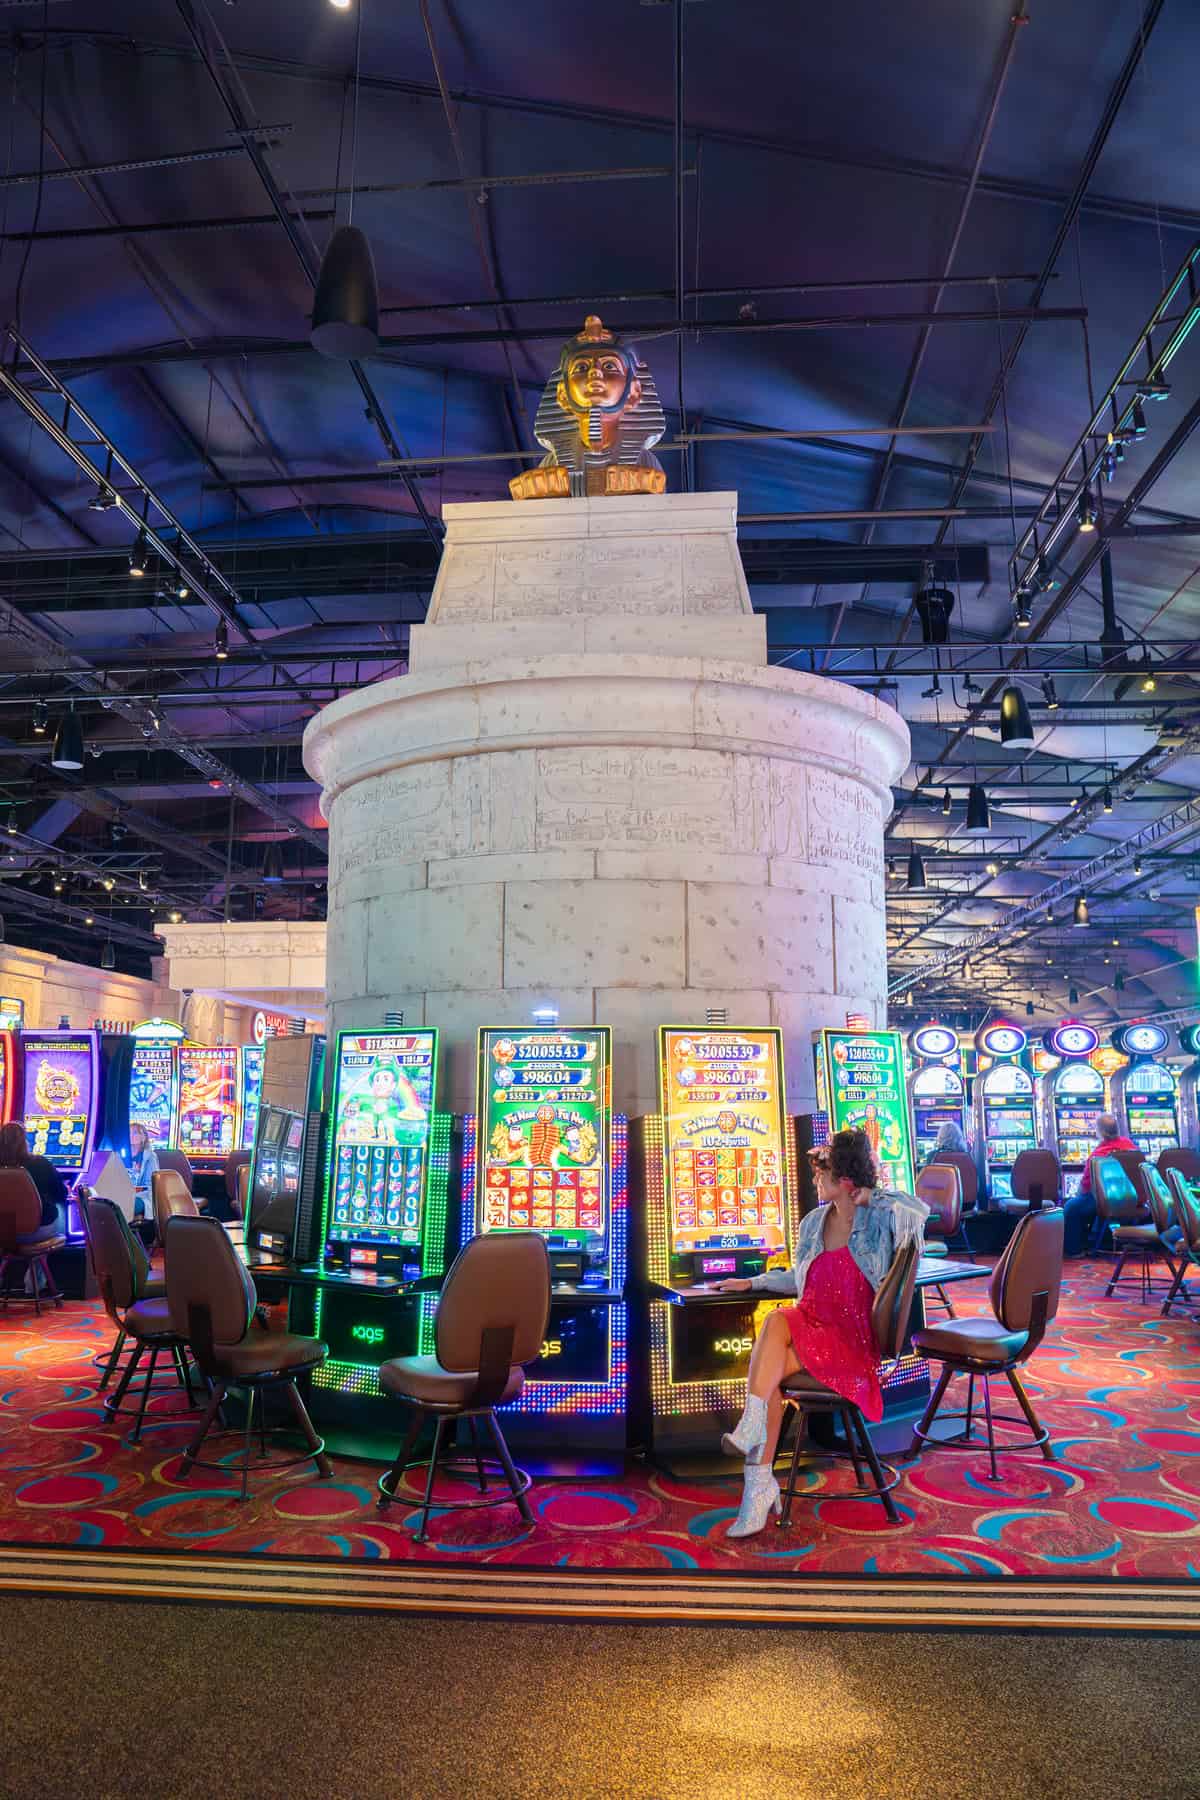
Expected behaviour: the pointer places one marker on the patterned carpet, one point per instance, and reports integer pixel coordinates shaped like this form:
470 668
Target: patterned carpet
1118 1386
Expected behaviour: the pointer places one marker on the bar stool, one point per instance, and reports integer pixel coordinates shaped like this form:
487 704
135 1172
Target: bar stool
1123 1207
115 1254
1024 1293
212 1302
1187 1212
491 1321
1036 1176
1186 1161
172 1200
25 1240
939 1185
968 1175
145 1287
804 1394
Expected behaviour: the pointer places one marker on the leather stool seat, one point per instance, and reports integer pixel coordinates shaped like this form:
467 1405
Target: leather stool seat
983 1340
934 1247
423 1378
149 1318
1141 1233
803 1386
267 1353
45 1239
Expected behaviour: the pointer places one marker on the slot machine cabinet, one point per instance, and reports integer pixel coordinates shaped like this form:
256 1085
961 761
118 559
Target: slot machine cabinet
718 1198
936 1093
209 1078
1074 1098
388 1168
861 1087
1189 1088
10 1083
1144 1093
154 1080
544 1152
62 1099
283 1212
1005 1111
250 1080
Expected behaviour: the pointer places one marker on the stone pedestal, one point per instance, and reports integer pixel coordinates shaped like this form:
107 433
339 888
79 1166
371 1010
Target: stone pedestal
591 792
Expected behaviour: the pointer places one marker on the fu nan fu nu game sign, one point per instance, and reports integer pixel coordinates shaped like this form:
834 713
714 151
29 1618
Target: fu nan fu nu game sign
860 1085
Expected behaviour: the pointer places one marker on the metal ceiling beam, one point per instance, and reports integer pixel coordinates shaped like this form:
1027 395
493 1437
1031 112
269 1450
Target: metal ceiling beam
56 912
131 165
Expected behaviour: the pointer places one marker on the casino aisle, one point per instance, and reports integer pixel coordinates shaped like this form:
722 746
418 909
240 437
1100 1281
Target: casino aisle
364 1706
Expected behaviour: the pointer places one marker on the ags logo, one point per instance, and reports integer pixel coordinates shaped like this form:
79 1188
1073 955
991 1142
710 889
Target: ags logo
368 1334
552 1347
733 1346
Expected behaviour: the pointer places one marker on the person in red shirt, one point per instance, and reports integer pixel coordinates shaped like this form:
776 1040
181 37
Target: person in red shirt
1080 1211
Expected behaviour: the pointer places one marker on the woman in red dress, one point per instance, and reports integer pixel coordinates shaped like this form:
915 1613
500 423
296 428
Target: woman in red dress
844 1249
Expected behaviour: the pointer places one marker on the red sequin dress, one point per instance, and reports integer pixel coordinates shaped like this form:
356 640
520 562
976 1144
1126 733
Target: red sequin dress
832 1333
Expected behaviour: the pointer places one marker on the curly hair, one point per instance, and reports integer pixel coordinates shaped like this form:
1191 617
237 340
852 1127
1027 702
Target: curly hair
850 1159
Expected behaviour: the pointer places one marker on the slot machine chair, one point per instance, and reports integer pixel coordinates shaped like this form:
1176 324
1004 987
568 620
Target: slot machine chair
176 1160
1155 1237
142 1317
25 1241
235 1162
939 1186
145 1287
172 1199
1024 1294
212 1303
1187 1214
804 1394
241 1199
1122 1211
1186 1161
491 1321
1033 1169
968 1175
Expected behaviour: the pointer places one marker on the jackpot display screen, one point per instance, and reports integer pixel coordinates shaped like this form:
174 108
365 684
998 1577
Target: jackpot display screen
865 1089
62 1093
208 1100
252 1074
382 1106
723 1122
154 1092
543 1145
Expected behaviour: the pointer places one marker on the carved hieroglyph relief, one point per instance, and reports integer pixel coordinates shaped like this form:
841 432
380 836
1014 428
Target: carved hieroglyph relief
845 822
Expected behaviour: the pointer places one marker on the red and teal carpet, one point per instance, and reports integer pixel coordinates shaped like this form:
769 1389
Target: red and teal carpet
1118 1386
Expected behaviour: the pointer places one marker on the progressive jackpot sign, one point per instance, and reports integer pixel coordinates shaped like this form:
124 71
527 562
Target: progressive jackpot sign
723 1127
543 1144
864 1087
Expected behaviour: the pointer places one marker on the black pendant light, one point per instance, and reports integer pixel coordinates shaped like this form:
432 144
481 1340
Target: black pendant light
272 869
1016 727
916 869
1029 1009
979 814
345 317
68 743
108 956
1072 995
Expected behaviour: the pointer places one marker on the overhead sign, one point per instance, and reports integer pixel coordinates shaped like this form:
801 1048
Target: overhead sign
934 1043
1001 1039
1141 1040
1072 1039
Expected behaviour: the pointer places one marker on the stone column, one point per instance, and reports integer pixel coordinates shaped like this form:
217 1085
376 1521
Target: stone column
591 792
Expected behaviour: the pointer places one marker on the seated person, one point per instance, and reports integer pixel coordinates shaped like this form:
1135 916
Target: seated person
844 1248
1079 1212
950 1137
14 1154
143 1166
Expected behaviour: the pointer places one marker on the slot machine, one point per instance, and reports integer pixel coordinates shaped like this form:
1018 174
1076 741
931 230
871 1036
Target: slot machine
250 1061
861 1087
62 1103
283 1193
718 1193
1189 1087
154 1080
1005 1111
9 1081
544 1152
208 1104
1144 1094
936 1092
384 1211
1074 1098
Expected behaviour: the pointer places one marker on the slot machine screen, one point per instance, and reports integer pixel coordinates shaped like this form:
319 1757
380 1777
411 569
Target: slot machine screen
154 1092
723 1124
543 1146
62 1082
273 1201
208 1078
382 1106
252 1074
864 1082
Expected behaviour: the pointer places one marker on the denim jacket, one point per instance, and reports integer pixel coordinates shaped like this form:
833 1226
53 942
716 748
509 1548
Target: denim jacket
887 1220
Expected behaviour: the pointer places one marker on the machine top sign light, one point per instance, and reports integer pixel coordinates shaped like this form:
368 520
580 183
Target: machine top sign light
1072 1039
1140 1040
933 1043
1001 1039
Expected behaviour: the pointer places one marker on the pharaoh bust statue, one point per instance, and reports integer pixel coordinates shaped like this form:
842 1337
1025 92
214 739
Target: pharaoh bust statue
598 419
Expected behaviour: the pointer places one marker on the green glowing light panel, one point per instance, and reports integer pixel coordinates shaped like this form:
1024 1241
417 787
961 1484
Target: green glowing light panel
860 1085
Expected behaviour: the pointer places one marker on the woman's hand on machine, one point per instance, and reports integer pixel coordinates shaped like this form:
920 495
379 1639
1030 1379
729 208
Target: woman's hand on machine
734 1287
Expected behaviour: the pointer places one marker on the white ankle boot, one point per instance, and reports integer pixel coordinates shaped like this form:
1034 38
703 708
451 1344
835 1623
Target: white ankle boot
760 1498
750 1433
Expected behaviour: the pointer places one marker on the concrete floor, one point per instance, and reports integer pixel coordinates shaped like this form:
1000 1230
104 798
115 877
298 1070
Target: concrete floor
112 1698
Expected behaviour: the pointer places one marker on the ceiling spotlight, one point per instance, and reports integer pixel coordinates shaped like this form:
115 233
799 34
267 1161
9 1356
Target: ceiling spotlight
979 816
1154 390
934 606
1085 512
179 587
1149 682
1108 464
993 868
916 871
139 556
1137 420
41 718
108 884
221 641
58 884
1081 911
1116 942
1049 962
1107 961
175 915
154 713
341 5
945 803
891 868
68 743
932 693
1022 617
13 827
272 868
108 956
1107 798
1137 865
88 919
143 884
103 500
1016 727
1050 694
